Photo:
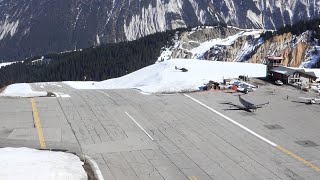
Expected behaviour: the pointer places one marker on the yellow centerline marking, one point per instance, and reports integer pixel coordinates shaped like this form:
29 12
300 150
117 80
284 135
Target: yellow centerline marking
286 151
192 178
38 124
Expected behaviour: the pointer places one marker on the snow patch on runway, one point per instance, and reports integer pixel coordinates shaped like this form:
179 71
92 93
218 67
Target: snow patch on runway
21 90
29 164
162 77
62 95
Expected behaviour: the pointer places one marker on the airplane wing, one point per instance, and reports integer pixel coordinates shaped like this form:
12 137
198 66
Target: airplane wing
306 98
234 105
260 105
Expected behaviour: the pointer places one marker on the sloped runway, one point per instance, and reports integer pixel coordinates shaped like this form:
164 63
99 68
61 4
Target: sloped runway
136 136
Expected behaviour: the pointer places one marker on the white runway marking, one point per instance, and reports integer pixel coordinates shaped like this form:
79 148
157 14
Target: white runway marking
62 95
139 126
104 93
233 121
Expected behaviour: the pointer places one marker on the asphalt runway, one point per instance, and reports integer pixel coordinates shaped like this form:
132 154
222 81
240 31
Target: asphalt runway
194 136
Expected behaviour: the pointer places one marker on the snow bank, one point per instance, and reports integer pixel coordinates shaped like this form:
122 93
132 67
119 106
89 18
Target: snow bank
21 90
31 164
163 78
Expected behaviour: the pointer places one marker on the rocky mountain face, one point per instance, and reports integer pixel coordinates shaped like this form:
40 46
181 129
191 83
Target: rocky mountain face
34 27
243 45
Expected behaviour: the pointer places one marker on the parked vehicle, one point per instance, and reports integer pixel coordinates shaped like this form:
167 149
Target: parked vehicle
278 82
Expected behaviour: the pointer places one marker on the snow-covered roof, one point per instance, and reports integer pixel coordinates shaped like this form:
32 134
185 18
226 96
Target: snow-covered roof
275 57
290 70
315 71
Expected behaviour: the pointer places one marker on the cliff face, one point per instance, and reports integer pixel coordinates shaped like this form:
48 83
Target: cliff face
34 27
294 49
240 45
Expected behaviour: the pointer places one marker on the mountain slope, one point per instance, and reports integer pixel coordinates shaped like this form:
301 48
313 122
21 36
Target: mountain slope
297 44
31 27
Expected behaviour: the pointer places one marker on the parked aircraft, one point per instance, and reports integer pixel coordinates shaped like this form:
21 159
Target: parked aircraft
181 69
311 100
242 89
247 106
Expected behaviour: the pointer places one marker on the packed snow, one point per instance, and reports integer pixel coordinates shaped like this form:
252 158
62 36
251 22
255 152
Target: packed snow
32 164
21 90
162 77
199 51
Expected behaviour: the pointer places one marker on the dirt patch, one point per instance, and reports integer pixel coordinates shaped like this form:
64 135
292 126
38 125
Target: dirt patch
87 167
2 89
50 94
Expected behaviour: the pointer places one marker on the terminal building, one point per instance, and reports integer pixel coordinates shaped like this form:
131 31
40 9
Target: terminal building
288 75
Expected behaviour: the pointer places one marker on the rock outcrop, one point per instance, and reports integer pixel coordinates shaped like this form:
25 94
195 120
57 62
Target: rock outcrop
240 45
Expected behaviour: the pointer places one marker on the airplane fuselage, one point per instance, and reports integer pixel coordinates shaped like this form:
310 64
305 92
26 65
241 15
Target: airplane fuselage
247 104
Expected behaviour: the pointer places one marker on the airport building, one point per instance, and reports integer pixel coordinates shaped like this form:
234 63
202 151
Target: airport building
288 75
292 75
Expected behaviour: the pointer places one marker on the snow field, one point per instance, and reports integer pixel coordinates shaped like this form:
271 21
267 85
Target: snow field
164 78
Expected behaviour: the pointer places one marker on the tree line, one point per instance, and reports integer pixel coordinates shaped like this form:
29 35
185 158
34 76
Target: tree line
95 63
297 29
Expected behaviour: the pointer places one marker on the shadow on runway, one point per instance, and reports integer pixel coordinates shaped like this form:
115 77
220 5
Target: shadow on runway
235 107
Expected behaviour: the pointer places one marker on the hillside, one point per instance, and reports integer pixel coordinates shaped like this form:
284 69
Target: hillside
96 63
298 44
31 27
163 77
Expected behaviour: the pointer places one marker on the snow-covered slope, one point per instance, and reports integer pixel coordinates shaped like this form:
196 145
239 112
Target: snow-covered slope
312 57
21 90
164 78
214 43
81 23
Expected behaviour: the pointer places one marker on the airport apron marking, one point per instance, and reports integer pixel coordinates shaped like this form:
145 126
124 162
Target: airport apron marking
38 124
139 126
291 154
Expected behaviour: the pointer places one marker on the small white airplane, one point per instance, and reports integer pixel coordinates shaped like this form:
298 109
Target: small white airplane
311 100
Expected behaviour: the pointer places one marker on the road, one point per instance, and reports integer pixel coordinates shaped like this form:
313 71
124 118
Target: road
176 136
